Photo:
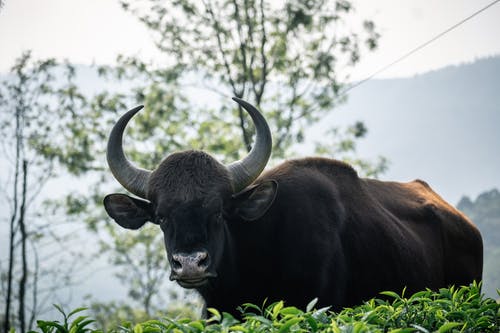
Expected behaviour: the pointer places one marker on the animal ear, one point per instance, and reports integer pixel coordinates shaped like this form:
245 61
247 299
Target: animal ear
130 213
254 201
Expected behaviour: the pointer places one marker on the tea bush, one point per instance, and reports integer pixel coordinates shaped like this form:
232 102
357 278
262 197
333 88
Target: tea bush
447 310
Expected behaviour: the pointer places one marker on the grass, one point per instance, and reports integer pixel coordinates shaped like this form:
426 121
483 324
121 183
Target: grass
461 309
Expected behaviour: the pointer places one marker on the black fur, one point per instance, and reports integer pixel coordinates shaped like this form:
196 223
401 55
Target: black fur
324 233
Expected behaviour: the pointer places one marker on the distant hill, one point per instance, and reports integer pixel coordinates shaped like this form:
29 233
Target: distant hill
442 126
485 212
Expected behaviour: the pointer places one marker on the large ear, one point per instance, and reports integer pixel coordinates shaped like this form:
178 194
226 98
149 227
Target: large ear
254 201
130 213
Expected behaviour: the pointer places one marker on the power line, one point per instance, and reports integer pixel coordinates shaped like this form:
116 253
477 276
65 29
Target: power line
418 48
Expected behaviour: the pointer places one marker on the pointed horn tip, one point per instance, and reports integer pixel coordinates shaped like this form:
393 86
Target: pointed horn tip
249 107
237 100
130 113
137 108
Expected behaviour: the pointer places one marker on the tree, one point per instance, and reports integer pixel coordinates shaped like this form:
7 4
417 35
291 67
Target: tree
30 102
289 59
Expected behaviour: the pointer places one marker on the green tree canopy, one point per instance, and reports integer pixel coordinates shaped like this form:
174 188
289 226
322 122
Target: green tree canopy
38 100
289 58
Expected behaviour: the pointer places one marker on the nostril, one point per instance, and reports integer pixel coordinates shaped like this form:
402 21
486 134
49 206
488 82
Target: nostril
204 260
176 264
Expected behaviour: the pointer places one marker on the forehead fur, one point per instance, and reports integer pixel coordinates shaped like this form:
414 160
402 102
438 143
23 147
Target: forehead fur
189 175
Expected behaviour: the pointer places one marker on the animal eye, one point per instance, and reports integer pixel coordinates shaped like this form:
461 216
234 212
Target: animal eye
161 220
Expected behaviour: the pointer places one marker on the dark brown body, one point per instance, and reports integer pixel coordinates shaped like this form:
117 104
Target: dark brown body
332 235
307 228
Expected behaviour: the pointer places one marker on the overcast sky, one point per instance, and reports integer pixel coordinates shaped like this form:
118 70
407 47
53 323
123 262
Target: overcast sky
86 31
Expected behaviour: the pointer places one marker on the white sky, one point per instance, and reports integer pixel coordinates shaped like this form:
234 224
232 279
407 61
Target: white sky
405 24
86 31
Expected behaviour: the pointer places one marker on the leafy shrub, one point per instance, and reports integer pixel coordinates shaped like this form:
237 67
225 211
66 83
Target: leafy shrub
447 310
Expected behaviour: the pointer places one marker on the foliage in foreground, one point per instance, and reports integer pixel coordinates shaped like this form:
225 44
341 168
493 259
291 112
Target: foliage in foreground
449 310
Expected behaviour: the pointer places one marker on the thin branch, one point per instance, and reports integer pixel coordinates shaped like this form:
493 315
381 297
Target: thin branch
238 93
242 43
250 44
258 96
216 26
24 276
290 118
35 287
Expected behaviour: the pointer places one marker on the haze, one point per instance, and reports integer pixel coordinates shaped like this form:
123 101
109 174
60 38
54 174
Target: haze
87 31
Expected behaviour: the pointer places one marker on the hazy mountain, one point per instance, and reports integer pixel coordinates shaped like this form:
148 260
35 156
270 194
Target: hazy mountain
485 212
442 126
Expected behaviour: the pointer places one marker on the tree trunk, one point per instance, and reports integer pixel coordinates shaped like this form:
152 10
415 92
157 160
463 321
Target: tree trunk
18 134
22 228
35 289
6 323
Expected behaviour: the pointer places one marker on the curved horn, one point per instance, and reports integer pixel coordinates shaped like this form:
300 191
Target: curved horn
245 171
132 178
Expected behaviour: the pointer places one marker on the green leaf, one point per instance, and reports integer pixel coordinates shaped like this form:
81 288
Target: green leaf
312 323
59 308
286 326
290 310
158 323
138 328
247 306
448 327
215 314
53 324
77 321
420 328
83 324
310 306
391 294
76 311
276 309
197 325
238 328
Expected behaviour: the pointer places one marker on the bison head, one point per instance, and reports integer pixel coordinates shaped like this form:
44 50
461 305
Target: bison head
192 197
